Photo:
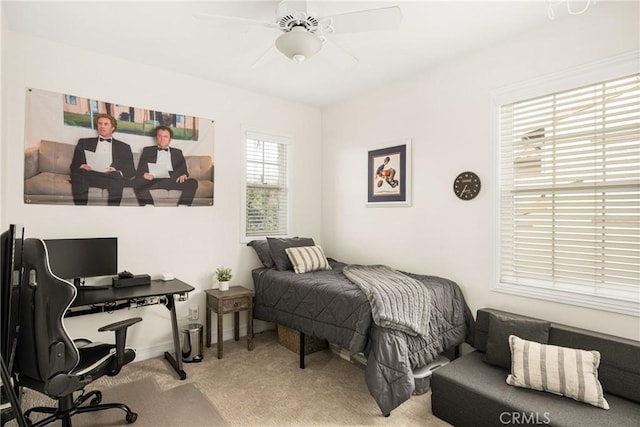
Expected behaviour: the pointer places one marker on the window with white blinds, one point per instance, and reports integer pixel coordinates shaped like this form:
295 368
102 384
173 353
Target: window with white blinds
569 195
266 197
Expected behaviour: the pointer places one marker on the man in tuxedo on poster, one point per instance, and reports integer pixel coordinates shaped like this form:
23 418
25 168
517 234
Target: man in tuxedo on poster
112 162
162 166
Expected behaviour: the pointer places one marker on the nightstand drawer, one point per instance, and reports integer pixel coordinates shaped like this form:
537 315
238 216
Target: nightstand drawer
233 304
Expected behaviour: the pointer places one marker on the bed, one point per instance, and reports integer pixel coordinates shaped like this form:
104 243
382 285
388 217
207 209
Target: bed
326 304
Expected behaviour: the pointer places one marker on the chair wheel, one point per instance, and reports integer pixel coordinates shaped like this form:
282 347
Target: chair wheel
131 417
97 399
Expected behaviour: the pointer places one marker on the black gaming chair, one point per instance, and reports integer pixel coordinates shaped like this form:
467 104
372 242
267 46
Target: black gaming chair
48 360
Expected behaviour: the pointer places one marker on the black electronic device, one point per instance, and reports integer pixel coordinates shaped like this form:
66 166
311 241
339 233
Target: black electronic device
125 275
134 280
80 258
11 266
11 258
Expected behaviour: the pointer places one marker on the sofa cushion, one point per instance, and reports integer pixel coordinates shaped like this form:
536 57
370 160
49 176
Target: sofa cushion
55 157
619 371
469 392
501 326
204 191
51 184
200 167
561 370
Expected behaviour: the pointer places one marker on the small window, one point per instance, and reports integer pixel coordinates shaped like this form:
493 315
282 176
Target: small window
569 196
265 204
70 100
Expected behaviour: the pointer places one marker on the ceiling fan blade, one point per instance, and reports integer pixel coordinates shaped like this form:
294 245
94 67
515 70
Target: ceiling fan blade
233 20
384 18
338 56
285 7
268 56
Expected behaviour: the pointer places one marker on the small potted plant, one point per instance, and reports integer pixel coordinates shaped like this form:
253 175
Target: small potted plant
223 274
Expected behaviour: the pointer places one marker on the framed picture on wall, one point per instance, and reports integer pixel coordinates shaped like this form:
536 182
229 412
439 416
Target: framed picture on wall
87 151
389 175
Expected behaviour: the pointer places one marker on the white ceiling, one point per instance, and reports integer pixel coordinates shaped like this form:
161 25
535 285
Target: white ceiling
167 35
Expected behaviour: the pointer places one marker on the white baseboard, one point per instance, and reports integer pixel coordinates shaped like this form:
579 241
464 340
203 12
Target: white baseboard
144 353
149 352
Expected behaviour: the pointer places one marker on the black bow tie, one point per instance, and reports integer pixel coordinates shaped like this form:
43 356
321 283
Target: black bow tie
100 139
163 149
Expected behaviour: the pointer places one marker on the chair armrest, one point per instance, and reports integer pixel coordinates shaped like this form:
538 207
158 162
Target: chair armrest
120 328
123 324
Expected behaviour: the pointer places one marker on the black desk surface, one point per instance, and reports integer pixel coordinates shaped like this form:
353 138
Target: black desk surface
156 288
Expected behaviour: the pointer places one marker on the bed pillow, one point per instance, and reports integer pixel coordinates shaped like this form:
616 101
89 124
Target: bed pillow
305 259
500 327
264 252
279 245
566 371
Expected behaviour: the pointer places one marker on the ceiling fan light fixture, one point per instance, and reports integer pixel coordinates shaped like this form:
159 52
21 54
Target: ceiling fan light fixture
298 44
298 58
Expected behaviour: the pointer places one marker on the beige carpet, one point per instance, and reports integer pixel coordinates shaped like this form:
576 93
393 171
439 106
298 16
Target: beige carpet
263 387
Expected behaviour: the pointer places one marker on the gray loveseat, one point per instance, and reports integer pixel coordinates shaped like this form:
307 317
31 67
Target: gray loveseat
470 392
46 179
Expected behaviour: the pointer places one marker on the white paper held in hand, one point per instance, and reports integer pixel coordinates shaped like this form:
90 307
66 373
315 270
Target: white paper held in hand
158 171
99 162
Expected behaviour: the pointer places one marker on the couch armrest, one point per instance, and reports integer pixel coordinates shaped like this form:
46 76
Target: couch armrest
31 162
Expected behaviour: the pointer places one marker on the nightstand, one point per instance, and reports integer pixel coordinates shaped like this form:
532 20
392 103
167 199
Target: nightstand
234 300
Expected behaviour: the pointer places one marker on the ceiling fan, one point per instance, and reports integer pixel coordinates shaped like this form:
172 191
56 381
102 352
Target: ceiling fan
304 32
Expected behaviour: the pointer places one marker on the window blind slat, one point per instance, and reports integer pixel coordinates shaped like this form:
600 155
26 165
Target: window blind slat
266 192
570 189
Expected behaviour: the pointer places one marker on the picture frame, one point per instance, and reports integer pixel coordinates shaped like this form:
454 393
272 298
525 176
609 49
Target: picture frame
61 140
389 175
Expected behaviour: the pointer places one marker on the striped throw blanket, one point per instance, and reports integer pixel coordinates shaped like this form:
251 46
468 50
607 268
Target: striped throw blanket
397 301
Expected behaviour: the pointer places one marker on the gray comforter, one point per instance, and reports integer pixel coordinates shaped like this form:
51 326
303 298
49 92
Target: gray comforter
327 305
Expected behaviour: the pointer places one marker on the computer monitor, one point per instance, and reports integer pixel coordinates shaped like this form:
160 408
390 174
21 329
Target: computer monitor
81 258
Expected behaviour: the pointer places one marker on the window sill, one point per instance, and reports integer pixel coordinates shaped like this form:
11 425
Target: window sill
629 306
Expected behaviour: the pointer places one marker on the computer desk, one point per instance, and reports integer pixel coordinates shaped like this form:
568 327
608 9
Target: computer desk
107 299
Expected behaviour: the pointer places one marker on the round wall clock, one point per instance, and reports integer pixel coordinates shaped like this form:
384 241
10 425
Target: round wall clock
466 185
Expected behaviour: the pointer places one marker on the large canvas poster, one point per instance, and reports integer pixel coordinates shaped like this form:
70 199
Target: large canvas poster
81 151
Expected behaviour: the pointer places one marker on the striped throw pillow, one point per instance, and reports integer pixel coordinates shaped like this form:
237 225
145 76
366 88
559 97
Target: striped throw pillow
307 258
561 370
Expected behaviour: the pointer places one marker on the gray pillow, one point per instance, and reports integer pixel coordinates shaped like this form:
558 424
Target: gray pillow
500 327
279 245
264 252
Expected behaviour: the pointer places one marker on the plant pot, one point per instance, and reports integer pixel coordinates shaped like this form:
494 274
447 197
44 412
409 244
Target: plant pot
223 285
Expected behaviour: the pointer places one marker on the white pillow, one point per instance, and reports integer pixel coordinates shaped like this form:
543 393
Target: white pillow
560 370
307 258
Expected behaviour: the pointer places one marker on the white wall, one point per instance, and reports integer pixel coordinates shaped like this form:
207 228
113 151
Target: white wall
446 112
190 242
3 149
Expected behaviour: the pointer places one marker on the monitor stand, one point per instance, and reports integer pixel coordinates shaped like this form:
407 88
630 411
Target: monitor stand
77 282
